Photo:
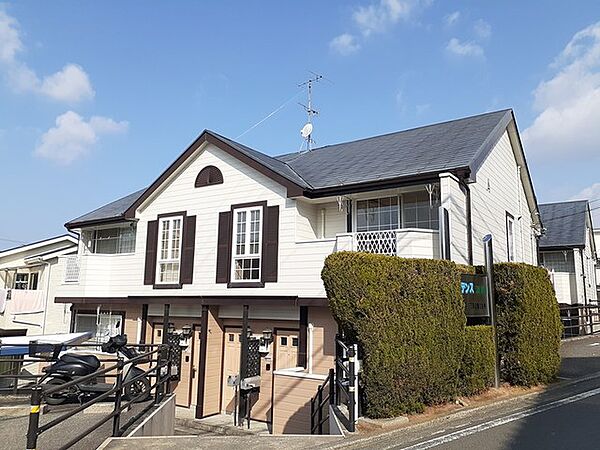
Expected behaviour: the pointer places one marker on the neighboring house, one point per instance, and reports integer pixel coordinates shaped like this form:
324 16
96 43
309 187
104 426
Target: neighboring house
597 238
568 251
227 230
28 281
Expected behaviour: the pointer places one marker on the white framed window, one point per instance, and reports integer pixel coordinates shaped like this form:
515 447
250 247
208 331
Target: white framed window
22 281
377 214
103 326
510 237
419 210
168 261
247 244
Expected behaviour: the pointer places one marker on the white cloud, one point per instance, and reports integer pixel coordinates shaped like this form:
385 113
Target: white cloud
10 41
344 44
452 18
70 84
73 137
378 17
591 193
482 29
568 104
465 49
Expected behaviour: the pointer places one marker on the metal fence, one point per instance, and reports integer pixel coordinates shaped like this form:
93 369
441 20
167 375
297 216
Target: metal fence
155 359
579 320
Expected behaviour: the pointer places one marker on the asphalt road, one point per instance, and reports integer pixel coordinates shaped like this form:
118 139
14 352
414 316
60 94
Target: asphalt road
565 416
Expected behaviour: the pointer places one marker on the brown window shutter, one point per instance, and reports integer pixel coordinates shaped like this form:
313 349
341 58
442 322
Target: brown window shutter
187 254
151 243
270 245
224 247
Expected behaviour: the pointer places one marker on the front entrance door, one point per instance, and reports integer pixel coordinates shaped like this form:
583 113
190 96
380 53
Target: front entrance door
286 349
183 387
231 366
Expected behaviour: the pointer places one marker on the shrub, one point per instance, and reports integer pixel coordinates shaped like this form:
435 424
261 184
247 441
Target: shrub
476 372
408 317
529 326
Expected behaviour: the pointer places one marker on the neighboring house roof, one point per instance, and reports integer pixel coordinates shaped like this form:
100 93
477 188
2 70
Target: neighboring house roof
112 211
459 146
70 242
565 224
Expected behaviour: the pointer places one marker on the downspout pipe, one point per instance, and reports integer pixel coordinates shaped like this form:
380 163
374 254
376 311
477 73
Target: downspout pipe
468 219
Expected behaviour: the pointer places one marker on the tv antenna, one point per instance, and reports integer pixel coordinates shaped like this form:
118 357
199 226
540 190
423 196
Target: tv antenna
307 129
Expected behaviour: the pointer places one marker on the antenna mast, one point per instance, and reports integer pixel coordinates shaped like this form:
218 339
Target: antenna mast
307 130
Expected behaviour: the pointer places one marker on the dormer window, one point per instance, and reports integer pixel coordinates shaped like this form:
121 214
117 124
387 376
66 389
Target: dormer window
209 175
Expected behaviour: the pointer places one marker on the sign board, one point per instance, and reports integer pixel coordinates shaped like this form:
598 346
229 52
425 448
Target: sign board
474 292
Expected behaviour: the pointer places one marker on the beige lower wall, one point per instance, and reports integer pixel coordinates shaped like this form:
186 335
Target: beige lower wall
291 402
161 422
324 331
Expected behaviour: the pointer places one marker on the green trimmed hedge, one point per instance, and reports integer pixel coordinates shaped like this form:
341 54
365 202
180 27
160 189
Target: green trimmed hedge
476 372
529 326
408 317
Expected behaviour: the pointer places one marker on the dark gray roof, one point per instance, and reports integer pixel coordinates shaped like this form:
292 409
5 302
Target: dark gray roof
565 224
276 165
429 149
113 210
460 144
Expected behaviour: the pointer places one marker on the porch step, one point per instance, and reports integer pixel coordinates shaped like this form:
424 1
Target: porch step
198 427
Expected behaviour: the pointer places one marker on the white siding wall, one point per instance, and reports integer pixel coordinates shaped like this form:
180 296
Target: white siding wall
454 200
489 207
590 268
307 222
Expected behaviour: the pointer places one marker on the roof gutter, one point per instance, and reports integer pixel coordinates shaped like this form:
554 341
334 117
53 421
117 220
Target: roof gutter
430 177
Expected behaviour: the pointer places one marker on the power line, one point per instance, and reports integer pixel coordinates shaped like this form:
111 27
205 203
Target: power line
11 240
272 113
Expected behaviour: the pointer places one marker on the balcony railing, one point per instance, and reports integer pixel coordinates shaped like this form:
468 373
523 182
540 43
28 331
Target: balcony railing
378 242
407 242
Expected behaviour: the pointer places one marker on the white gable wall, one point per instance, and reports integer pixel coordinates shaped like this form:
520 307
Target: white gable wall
489 206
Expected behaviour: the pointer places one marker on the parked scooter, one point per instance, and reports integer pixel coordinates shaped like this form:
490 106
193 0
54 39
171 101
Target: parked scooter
72 365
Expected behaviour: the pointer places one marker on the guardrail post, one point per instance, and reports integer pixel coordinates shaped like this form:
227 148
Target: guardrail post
118 394
312 416
331 379
352 386
169 365
320 410
159 384
34 418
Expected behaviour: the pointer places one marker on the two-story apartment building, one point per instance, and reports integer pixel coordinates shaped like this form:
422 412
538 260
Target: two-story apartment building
227 231
568 251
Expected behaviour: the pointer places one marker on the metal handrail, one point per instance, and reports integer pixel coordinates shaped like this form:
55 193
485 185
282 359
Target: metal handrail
163 360
319 401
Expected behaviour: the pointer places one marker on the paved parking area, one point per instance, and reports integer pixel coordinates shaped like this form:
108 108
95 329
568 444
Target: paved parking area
14 422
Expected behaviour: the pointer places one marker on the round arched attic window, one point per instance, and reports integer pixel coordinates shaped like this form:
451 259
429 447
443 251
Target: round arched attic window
209 175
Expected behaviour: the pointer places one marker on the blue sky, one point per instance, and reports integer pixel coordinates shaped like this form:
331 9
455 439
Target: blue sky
97 98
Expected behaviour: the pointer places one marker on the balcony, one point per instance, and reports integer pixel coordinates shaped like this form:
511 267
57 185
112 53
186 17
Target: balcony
407 242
